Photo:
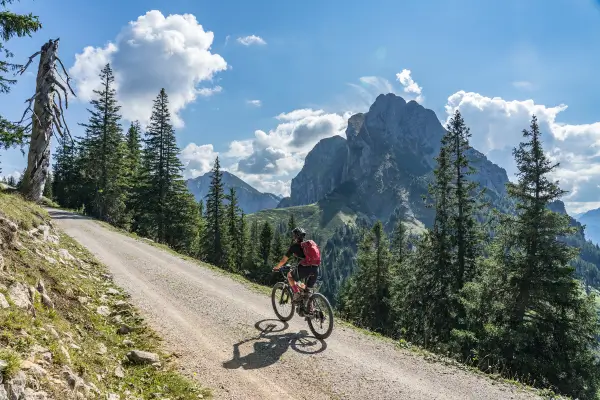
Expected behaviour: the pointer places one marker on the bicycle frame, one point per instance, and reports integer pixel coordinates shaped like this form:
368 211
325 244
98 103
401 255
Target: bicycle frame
287 268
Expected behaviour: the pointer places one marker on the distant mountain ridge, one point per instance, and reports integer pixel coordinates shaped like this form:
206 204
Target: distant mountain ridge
591 220
250 200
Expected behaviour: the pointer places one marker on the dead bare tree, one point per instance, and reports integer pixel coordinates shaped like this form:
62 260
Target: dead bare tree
45 118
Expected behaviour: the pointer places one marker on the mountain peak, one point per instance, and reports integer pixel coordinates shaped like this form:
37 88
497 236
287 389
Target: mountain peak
250 200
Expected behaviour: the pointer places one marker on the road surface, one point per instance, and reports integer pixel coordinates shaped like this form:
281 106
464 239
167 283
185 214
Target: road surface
228 339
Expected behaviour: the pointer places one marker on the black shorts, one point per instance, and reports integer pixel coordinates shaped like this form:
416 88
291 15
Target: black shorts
311 273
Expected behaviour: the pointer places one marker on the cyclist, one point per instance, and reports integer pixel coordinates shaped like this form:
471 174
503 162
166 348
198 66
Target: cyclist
310 260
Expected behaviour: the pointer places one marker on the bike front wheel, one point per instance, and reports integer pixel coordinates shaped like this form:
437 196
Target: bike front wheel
281 299
320 318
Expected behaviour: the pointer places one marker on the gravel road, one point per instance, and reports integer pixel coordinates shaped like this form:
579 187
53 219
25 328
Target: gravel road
228 339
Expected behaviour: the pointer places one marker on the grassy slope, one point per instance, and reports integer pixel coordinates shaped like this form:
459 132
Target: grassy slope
65 282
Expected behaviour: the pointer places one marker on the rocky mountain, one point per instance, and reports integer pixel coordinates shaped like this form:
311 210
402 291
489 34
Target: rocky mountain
250 199
385 162
591 220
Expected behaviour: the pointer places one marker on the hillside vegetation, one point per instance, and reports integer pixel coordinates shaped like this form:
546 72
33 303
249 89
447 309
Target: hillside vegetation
66 331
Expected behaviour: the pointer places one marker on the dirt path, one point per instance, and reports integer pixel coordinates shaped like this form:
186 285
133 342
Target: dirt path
226 335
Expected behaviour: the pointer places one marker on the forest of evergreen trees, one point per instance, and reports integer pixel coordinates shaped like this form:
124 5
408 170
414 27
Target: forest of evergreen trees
509 305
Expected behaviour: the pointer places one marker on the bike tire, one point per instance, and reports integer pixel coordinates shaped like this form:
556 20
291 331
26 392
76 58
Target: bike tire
329 312
282 286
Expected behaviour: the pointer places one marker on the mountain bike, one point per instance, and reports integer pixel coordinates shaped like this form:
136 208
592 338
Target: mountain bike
313 306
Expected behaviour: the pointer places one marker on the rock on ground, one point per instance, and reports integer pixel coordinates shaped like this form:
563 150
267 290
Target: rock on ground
19 294
3 301
142 357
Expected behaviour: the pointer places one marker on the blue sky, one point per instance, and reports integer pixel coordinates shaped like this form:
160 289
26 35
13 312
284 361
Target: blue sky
495 61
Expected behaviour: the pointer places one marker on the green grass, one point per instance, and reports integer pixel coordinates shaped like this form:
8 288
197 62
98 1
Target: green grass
13 361
65 282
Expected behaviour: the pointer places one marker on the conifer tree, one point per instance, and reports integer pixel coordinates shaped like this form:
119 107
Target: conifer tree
277 248
216 240
533 317
241 248
266 236
167 211
48 192
291 223
466 238
366 297
66 183
233 234
12 25
103 153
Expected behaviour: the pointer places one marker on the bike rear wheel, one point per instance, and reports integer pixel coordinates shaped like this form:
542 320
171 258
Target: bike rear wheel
320 319
281 299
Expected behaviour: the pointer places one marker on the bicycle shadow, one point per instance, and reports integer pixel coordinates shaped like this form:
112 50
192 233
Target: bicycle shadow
269 346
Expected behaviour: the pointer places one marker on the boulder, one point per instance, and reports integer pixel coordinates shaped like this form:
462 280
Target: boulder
3 301
142 357
19 295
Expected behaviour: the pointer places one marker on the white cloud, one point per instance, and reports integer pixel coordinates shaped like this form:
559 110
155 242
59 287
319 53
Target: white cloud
197 160
255 103
251 40
151 53
410 86
526 85
207 92
497 124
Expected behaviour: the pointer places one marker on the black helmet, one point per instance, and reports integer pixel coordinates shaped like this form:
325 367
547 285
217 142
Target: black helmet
299 233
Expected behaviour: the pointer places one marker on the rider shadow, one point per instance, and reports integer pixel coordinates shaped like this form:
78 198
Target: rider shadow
269 351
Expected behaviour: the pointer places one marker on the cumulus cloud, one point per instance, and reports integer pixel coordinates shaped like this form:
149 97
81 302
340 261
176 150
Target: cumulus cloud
197 160
255 103
496 125
410 86
151 53
251 40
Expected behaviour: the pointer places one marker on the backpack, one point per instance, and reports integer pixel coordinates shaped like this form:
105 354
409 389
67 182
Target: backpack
312 255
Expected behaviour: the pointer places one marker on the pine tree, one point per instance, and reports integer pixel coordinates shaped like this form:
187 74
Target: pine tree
133 162
233 234
242 250
216 241
366 297
467 237
12 25
48 192
266 236
167 212
103 153
534 317
291 223
66 183
277 248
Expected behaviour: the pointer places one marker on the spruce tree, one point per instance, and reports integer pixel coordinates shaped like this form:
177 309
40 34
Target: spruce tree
66 182
233 234
366 297
266 237
277 248
103 153
48 187
466 237
12 25
167 212
534 318
216 240
242 249
291 223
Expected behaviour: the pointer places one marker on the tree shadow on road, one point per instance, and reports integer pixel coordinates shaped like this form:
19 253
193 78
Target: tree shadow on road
270 345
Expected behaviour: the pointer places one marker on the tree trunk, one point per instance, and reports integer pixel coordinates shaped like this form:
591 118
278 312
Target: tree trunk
38 159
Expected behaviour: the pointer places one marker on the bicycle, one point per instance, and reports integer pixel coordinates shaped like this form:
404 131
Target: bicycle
307 307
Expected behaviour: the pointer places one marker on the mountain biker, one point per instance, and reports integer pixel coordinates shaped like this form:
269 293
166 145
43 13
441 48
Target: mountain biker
310 260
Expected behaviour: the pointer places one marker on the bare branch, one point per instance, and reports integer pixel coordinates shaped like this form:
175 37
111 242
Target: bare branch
62 113
66 74
22 70
58 115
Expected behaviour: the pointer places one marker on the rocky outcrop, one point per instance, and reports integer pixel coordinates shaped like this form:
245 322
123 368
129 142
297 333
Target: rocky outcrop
322 172
250 200
384 163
